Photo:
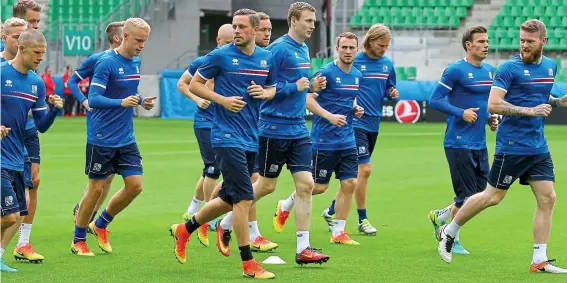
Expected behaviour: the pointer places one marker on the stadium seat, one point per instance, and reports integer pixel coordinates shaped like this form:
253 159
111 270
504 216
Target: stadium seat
401 74
411 73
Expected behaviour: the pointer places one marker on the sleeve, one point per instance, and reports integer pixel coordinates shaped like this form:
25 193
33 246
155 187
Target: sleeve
271 80
192 69
211 66
322 73
557 92
101 77
43 119
503 78
391 82
73 84
442 90
283 88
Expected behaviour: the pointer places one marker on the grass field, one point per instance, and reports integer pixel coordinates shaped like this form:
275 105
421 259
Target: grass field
410 177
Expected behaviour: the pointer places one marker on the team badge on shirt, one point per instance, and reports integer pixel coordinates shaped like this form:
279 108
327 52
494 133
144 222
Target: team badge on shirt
263 63
385 68
34 89
363 68
550 72
9 83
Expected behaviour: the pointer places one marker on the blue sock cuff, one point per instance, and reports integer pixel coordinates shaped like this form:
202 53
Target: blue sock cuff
332 208
80 234
104 219
361 214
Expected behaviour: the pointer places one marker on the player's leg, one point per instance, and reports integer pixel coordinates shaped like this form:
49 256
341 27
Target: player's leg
14 208
505 170
365 143
541 179
99 166
103 196
345 166
129 165
196 201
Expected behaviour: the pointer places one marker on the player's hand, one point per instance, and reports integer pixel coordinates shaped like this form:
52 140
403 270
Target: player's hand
337 120
394 93
56 101
318 83
470 115
358 111
86 105
130 101
234 103
542 110
493 122
258 92
4 131
302 84
148 102
203 103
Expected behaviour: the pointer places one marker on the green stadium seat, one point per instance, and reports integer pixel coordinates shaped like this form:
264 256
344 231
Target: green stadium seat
550 11
355 21
326 61
411 73
461 12
515 11
528 11
454 22
401 74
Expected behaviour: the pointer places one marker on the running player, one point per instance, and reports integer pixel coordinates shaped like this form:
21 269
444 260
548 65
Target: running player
244 75
86 70
111 146
466 83
22 90
520 93
379 82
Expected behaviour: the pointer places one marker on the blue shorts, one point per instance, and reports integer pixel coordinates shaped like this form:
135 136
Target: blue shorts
211 169
274 153
236 166
343 162
256 168
507 168
469 172
31 142
28 173
365 142
102 161
13 198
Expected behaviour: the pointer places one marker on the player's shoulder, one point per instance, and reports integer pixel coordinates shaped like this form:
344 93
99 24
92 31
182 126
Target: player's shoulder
456 67
548 62
487 66
356 72
262 52
4 65
387 60
327 69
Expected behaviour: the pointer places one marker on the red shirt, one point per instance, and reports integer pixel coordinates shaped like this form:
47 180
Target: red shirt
66 90
49 84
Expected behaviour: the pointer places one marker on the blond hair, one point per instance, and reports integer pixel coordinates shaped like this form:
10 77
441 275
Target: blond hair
376 31
31 37
535 26
348 35
132 23
295 10
13 22
21 7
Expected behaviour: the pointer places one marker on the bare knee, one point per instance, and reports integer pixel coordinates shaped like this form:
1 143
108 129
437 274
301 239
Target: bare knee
266 185
347 186
10 219
35 181
547 200
305 188
364 170
493 197
320 188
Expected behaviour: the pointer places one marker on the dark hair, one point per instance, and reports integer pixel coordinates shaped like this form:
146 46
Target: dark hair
295 10
112 29
469 34
535 26
252 15
20 8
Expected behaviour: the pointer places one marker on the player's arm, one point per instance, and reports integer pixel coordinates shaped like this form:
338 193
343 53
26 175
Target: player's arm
267 92
285 88
557 97
391 90
101 78
44 119
315 107
183 87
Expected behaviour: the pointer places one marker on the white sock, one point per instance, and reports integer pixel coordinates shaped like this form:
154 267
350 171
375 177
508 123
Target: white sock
194 206
226 222
302 240
540 253
1 252
25 231
457 237
288 203
253 230
452 229
445 213
339 227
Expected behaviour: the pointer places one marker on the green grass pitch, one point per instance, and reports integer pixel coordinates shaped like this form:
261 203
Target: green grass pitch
410 177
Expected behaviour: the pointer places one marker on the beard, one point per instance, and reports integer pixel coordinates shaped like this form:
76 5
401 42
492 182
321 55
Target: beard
349 62
533 56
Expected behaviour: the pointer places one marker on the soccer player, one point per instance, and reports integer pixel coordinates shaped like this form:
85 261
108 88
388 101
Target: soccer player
244 75
462 94
111 146
265 32
203 122
520 93
114 36
22 91
379 83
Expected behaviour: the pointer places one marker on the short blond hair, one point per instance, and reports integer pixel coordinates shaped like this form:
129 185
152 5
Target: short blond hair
376 31
132 23
348 35
535 26
13 22
295 10
263 16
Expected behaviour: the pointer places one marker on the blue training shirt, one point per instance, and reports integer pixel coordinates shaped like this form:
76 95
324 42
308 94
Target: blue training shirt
337 98
526 85
20 94
463 86
203 119
29 123
115 78
284 116
379 78
233 71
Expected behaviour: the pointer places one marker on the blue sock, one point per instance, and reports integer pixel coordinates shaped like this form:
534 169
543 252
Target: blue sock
332 208
103 220
361 214
80 234
93 216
